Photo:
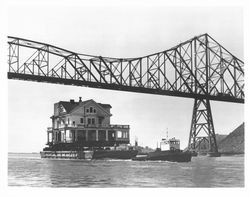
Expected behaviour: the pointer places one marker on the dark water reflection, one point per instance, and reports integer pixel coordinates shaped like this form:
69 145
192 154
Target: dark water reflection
30 170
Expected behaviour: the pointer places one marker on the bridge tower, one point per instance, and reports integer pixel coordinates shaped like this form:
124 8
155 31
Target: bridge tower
202 128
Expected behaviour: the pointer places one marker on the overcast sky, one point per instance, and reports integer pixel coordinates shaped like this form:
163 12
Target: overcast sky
117 31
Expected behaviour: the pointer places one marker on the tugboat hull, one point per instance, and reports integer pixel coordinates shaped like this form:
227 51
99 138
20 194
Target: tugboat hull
173 156
213 154
170 156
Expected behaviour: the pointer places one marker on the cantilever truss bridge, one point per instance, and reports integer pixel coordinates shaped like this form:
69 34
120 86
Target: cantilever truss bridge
199 68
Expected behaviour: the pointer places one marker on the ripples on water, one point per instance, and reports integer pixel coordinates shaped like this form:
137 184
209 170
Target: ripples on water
31 170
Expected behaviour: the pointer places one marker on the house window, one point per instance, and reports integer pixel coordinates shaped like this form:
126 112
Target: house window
119 134
61 109
81 120
100 120
93 120
74 123
91 110
89 120
68 120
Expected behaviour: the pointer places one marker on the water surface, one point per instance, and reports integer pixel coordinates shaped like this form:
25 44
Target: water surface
30 170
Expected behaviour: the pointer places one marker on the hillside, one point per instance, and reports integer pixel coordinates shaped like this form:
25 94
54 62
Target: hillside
220 137
234 142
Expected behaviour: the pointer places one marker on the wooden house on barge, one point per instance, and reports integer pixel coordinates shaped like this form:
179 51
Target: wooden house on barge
84 126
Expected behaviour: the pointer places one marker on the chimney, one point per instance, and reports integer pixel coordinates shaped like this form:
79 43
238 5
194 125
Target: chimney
80 99
72 101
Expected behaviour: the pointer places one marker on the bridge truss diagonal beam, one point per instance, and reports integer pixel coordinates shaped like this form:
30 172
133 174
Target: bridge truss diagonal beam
199 68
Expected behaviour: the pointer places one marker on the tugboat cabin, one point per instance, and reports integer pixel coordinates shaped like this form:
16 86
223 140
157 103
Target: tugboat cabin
172 144
84 124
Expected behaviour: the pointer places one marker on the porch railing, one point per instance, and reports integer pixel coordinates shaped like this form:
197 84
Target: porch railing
111 126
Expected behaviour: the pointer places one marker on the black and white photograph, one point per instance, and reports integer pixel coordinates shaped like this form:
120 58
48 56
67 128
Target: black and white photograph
122 94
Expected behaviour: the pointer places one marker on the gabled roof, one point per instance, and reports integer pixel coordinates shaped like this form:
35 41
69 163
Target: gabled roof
70 106
105 105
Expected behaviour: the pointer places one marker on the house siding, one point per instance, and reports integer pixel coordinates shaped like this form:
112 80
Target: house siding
95 126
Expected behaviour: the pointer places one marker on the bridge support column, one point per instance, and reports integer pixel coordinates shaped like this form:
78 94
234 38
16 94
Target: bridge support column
202 128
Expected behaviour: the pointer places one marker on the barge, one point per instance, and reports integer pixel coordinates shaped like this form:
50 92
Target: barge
90 154
82 130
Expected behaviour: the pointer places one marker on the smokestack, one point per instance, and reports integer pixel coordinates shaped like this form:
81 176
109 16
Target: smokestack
72 101
80 99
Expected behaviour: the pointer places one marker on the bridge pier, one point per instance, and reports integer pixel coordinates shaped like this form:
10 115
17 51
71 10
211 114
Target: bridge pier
202 129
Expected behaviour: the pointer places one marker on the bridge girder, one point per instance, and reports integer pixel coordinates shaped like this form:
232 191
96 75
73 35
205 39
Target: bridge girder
198 68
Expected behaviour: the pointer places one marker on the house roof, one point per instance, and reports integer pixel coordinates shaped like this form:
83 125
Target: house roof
105 105
69 106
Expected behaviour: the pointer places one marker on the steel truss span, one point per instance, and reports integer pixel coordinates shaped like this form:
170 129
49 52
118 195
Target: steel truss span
199 68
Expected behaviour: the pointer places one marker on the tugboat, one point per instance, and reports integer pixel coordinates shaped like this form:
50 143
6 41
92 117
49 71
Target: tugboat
173 154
